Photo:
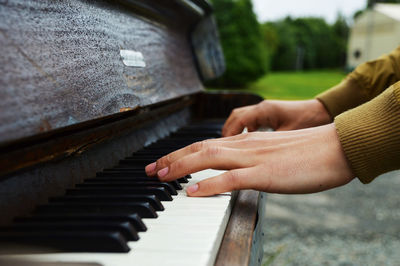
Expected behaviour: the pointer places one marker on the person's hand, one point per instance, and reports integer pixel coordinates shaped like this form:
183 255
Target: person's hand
279 115
299 161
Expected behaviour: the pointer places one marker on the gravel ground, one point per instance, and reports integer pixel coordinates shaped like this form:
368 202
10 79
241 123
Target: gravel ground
353 225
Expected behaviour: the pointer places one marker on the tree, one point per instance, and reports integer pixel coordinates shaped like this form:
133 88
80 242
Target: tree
370 3
306 43
341 34
242 43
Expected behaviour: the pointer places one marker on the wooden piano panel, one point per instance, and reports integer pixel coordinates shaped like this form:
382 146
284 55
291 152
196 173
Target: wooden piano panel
61 63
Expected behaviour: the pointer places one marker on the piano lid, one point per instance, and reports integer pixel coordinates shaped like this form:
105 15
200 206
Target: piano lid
67 62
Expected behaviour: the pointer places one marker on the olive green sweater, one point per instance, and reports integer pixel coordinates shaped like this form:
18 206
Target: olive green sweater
366 111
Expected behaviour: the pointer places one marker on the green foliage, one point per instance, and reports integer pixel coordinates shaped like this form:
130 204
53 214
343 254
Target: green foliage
245 55
358 13
251 49
280 40
341 35
370 3
306 43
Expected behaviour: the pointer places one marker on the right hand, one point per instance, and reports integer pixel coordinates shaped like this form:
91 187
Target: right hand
300 161
279 115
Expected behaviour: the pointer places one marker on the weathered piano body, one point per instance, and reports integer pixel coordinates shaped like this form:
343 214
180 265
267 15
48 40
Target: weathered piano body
86 83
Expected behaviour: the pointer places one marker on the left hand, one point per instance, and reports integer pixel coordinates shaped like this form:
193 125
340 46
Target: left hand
298 161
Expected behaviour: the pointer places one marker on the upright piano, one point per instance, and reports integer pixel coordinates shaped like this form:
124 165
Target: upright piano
92 91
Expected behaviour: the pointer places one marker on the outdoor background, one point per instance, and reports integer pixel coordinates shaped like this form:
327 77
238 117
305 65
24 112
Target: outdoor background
285 49
291 49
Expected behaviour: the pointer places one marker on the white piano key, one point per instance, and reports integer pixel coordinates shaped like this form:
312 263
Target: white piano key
188 232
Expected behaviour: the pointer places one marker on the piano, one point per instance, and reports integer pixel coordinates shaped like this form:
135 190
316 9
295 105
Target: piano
92 91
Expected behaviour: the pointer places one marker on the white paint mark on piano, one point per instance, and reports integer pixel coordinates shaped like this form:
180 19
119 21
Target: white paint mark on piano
132 58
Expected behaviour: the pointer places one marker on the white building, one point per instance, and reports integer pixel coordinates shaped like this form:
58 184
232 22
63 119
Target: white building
375 32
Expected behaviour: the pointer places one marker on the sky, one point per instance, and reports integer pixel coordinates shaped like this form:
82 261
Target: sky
269 10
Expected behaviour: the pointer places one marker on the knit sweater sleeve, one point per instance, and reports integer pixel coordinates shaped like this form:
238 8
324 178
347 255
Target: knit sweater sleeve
366 82
366 111
370 135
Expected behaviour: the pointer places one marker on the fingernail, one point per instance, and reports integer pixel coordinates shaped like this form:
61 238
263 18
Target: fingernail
150 168
163 172
192 189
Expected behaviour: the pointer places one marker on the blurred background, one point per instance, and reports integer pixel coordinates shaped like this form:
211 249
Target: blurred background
290 49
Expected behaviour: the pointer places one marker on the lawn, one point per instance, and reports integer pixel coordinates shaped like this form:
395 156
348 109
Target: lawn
295 85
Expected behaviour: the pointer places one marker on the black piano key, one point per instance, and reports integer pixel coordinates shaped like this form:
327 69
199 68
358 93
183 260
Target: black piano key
133 219
153 151
147 158
71 241
128 179
217 126
138 168
143 209
183 180
165 185
139 160
160 192
128 232
151 199
124 172
186 134
172 186
128 171
169 146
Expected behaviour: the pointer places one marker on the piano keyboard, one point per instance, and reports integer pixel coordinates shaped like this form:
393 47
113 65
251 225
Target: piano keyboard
122 217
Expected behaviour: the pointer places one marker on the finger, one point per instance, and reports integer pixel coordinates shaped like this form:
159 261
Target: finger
235 127
233 116
228 125
213 157
166 160
243 178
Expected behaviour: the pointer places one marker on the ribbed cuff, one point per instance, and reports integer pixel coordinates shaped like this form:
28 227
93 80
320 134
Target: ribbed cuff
342 97
370 135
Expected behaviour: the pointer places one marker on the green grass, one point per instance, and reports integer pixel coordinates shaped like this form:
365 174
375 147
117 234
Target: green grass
295 85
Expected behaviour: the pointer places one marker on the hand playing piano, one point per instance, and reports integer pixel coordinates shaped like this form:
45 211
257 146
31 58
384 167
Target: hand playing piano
279 115
299 161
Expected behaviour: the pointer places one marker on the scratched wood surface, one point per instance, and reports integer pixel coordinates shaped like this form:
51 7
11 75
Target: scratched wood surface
235 249
60 63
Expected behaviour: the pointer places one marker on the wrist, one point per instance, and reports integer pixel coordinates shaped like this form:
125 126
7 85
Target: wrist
320 112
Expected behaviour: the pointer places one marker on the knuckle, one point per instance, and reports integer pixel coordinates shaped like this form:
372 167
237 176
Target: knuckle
160 162
241 121
164 161
212 152
233 178
177 165
238 111
168 159
269 173
197 146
